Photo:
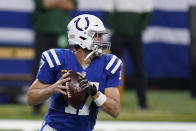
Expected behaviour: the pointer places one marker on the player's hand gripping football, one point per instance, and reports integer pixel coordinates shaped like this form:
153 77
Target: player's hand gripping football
87 87
60 86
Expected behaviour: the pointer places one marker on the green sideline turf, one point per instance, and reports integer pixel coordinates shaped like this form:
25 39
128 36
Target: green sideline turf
163 106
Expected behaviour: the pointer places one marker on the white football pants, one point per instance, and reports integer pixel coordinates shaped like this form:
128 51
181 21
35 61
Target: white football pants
46 127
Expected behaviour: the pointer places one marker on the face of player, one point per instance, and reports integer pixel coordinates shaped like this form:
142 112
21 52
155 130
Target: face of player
101 45
98 39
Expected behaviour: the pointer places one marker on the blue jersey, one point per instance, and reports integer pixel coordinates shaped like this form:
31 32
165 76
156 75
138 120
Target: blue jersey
104 71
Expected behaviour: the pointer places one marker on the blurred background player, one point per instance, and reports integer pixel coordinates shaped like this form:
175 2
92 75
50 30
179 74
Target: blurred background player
50 19
127 21
101 77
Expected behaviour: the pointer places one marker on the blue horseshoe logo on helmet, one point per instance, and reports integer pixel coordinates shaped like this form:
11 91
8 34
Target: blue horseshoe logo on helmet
87 24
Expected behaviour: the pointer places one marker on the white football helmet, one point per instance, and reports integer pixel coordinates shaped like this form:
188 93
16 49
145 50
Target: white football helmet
82 30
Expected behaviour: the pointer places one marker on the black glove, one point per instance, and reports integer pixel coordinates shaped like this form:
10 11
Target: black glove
87 87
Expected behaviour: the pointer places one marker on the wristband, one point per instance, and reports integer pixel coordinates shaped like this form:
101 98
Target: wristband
100 100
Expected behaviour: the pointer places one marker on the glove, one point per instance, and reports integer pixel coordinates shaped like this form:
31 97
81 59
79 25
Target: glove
87 87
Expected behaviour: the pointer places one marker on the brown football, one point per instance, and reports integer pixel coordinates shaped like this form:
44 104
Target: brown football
76 93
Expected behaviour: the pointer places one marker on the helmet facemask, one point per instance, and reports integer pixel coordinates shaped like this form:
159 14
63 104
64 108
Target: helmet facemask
98 46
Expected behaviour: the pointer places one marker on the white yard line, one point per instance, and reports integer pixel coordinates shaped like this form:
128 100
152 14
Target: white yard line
32 125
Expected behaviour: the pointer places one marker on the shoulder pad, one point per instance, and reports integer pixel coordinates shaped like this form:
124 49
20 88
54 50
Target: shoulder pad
113 63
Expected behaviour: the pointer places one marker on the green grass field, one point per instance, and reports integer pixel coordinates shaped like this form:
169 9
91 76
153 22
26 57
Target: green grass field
164 106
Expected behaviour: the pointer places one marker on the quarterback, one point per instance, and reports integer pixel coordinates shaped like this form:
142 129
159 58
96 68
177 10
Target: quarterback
101 76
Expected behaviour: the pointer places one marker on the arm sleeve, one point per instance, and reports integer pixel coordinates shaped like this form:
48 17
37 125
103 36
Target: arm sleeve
46 74
113 71
114 80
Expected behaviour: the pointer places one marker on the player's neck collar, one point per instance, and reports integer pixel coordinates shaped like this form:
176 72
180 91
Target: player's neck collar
85 66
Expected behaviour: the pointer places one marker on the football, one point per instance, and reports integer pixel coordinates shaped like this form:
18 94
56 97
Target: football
76 93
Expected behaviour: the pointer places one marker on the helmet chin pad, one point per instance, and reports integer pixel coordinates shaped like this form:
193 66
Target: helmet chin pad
98 52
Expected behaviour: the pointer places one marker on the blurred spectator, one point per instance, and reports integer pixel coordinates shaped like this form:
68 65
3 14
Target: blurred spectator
127 20
192 12
50 20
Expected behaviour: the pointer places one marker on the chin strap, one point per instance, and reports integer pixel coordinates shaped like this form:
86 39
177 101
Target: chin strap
92 52
97 52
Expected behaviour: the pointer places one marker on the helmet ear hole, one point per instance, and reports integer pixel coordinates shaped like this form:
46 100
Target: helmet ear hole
83 38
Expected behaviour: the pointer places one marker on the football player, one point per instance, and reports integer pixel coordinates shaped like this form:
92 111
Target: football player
101 77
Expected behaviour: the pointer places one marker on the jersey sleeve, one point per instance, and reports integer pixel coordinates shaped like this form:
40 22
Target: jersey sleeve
113 69
48 63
